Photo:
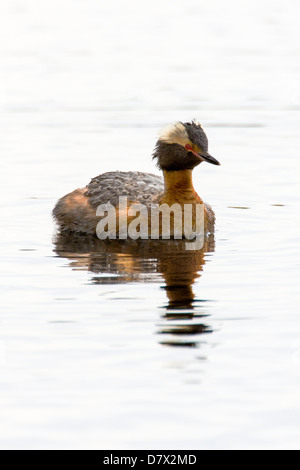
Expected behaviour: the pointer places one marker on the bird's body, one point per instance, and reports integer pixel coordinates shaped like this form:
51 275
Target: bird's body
135 185
77 211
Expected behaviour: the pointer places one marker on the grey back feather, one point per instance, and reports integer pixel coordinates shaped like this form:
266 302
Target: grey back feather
137 186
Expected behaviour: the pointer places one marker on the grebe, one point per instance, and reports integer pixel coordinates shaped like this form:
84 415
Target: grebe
179 149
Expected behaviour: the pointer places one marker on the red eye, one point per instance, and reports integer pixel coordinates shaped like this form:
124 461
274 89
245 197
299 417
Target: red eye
188 147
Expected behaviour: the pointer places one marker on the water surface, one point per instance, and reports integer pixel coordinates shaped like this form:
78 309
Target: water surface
145 345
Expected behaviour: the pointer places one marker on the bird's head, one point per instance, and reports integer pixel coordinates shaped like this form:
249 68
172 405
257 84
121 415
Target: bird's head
182 146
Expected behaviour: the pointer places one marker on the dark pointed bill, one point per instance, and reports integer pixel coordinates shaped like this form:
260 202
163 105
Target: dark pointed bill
209 159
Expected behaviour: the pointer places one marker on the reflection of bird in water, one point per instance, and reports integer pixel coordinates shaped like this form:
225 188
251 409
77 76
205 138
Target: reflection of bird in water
116 261
179 149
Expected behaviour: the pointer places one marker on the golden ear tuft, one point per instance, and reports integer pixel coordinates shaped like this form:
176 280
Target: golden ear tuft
174 134
197 123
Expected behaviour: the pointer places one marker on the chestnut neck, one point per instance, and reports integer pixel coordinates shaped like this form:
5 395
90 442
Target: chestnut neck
178 180
179 188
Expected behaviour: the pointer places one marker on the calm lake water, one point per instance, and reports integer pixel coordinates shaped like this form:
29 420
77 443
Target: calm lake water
145 345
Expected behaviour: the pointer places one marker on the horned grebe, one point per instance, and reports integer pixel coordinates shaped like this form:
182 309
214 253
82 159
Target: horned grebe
179 149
